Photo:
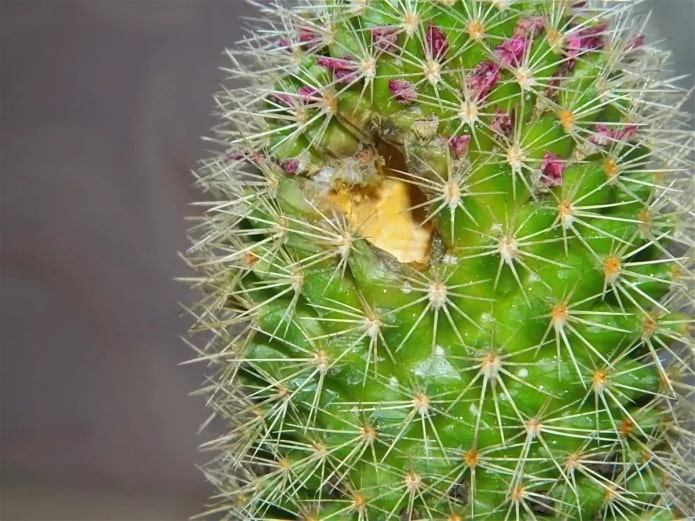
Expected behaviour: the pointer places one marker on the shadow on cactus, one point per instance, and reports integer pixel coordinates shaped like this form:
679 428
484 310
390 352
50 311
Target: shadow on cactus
445 262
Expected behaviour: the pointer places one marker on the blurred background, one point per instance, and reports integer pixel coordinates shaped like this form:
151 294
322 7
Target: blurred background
102 104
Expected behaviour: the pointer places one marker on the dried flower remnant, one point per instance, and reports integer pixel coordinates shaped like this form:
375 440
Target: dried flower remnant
402 91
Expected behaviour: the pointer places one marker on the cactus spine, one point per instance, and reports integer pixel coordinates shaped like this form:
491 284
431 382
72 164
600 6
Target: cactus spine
445 260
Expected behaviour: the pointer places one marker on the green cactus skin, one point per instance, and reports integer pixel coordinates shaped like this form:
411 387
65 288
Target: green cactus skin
510 344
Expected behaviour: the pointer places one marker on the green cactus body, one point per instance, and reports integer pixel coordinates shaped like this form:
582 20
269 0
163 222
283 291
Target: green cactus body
445 267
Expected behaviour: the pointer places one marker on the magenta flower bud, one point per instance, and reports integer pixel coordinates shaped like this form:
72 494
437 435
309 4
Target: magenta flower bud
553 85
344 69
636 43
335 64
502 122
626 133
250 156
458 145
605 135
551 170
402 91
235 156
584 40
309 94
385 38
283 98
511 52
602 135
308 36
435 40
482 78
283 43
290 166
530 26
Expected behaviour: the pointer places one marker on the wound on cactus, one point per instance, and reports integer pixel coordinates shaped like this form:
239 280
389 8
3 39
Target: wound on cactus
446 267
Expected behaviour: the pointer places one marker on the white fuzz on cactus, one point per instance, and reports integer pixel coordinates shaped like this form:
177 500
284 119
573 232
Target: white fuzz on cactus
446 263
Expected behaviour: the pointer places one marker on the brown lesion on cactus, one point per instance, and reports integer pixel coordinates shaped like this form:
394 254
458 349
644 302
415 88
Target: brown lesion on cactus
391 215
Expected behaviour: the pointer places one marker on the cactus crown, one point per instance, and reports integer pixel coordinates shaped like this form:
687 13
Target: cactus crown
444 260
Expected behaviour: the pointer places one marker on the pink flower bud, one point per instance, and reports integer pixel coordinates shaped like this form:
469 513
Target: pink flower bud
250 156
402 91
530 26
553 86
435 40
309 94
385 38
482 78
584 40
605 135
290 166
511 52
626 133
236 156
308 37
458 145
344 69
283 98
551 170
502 123
636 43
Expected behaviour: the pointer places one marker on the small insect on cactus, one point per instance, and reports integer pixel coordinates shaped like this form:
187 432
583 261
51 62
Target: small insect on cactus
445 264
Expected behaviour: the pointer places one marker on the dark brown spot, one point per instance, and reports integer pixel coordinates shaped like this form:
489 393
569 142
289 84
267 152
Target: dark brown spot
332 489
459 492
542 504
606 467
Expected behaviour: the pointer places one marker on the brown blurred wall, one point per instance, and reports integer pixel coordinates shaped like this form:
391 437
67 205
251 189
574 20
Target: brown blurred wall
102 107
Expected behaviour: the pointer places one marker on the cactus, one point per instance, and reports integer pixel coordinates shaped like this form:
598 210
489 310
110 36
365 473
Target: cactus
445 261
